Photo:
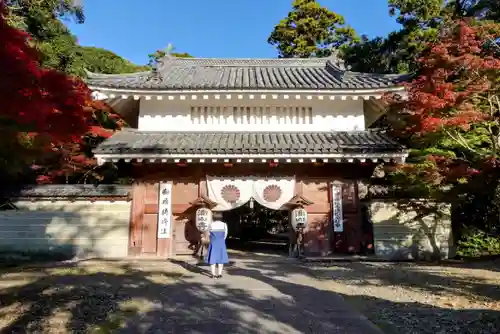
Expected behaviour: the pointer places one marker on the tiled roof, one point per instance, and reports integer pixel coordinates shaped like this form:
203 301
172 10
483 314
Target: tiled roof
68 190
245 74
247 143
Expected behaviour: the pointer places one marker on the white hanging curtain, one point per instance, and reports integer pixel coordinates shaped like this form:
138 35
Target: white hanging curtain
273 192
229 193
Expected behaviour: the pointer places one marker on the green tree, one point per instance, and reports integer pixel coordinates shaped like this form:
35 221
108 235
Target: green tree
59 49
43 20
435 12
392 54
100 60
421 22
310 30
396 53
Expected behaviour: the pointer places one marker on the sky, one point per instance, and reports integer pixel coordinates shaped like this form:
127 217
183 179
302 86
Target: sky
210 29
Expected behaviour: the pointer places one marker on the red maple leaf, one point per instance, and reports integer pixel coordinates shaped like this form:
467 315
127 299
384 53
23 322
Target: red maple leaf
54 111
42 100
454 72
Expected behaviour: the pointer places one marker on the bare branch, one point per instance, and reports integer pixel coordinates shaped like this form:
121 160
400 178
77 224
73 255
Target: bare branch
461 141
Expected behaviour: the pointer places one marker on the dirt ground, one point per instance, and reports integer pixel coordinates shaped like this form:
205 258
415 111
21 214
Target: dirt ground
66 297
416 298
106 296
258 294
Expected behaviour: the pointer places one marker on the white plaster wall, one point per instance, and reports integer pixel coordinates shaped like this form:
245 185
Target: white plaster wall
327 115
399 234
79 229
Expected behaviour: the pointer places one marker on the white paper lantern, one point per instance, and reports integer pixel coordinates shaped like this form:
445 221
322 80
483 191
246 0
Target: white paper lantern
203 219
298 216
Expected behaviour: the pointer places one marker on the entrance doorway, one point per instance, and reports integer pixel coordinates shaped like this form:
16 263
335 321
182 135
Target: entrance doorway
253 227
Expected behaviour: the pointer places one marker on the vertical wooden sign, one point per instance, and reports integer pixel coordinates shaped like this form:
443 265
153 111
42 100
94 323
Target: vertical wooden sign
337 214
165 211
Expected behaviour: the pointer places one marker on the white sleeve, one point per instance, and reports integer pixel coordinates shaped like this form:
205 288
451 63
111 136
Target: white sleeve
225 231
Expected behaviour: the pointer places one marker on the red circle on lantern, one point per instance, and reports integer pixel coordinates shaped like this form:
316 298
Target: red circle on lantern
230 193
272 193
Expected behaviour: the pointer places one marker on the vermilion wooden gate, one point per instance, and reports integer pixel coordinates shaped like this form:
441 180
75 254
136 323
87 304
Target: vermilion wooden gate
144 220
348 241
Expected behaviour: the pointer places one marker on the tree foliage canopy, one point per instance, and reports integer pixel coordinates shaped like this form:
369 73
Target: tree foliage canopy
457 86
40 106
55 56
451 123
421 21
100 60
310 30
43 20
40 100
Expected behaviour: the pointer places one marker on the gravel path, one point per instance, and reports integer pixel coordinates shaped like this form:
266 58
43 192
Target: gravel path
411 298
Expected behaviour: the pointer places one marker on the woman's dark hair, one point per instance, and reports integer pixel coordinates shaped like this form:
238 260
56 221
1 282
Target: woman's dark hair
216 215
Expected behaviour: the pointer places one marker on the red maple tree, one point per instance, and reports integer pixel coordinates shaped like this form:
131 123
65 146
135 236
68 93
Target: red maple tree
50 110
42 101
74 158
458 85
454 95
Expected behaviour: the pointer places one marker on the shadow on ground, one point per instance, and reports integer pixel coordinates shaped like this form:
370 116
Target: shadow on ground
124 297
491 263
459 280
418 297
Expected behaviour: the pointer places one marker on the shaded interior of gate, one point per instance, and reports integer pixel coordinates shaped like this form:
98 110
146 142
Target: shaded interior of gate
255 228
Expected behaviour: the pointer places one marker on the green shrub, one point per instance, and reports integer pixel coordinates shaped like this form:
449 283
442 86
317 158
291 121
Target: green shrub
476 243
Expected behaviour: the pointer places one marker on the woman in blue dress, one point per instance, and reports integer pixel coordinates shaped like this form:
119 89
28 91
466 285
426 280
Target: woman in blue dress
217 252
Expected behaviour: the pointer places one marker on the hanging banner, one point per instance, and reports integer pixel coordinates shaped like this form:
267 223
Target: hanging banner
298 217
165 210
273 192
229 193
203 219
337 215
